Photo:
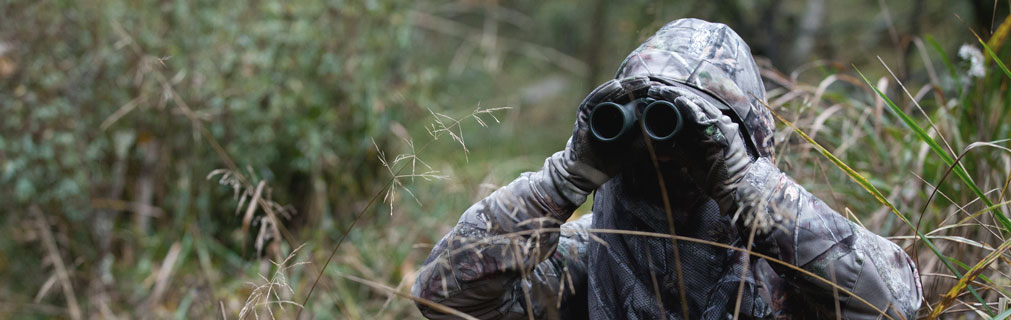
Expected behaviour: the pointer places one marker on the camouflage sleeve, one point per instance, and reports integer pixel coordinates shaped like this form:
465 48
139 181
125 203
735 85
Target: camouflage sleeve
798 228
507 259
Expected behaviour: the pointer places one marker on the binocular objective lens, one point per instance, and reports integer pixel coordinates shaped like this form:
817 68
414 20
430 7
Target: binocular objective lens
608 121
661 120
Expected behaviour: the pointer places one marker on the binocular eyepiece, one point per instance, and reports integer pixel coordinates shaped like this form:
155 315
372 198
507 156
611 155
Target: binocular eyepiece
610 121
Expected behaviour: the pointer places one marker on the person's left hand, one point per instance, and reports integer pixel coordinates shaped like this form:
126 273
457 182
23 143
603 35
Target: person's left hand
711 146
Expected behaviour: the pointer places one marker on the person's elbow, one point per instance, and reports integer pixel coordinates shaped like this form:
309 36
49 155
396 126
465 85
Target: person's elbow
889 280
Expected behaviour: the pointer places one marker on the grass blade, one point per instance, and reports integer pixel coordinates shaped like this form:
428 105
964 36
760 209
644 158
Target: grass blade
999 38
934 146
971 274
1002 315
866 184
995 58
947 63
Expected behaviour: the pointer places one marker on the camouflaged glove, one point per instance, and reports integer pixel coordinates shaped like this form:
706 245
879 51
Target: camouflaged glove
505 259
712 148
590 162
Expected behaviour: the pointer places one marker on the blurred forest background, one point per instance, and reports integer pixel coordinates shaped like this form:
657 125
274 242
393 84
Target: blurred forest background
202 159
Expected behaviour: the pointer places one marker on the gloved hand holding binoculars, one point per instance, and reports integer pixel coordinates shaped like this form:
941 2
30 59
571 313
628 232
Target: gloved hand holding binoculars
680 122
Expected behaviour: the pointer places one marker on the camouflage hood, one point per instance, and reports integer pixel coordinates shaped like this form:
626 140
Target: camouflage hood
713 58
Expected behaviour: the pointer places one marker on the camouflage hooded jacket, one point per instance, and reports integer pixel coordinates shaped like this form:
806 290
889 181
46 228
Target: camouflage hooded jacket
510 256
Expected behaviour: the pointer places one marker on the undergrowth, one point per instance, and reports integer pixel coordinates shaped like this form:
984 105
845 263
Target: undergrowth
267 171
931 159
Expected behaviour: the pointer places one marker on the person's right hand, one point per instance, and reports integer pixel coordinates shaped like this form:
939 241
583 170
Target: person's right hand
592 162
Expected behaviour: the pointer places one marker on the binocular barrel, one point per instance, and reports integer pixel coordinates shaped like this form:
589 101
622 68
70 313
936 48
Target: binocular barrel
610 121
662 120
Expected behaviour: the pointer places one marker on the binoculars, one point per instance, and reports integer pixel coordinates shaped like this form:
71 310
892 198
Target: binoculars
660 119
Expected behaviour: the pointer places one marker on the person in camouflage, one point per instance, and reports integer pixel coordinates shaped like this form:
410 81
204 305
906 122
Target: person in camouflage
513 256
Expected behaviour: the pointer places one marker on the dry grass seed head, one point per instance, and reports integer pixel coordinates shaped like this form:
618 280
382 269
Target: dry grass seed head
268 294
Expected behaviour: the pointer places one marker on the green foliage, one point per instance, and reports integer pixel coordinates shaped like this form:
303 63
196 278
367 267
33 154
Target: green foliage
111 115
295 92
967 141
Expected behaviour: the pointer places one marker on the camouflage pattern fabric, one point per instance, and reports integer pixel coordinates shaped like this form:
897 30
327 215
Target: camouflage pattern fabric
510 256
713 58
